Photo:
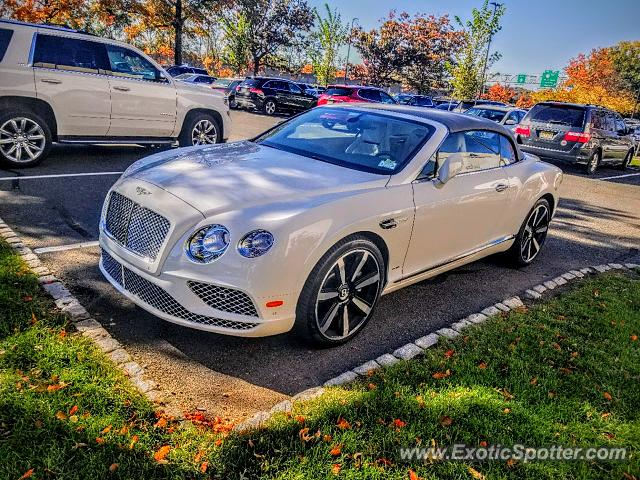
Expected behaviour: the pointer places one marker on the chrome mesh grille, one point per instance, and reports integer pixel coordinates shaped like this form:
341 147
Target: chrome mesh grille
223 298
159 299
135 227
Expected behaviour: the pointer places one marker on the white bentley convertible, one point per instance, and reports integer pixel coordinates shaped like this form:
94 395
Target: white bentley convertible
307 225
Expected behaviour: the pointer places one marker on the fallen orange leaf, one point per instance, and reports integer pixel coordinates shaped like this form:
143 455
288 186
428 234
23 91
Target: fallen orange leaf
203 467
607 396
441 375
335 469
300 419
634 338
73 410
113 467
336 450
482 365
218 442
304 435
483 444
449 353
61 415
399 423
27 474
161 423
343 424
413 475
106 429
161 453
327 438
446 421
476 474
134 440
99 440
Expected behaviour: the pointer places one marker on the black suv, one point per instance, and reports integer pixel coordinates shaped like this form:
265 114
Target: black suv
576 133
271 95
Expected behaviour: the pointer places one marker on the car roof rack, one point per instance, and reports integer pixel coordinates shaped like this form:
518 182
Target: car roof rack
50 26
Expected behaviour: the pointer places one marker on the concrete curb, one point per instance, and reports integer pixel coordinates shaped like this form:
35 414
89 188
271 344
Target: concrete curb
86 326
418 346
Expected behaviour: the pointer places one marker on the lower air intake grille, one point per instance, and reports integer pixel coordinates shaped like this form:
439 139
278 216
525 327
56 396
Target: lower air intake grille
159 299
223 298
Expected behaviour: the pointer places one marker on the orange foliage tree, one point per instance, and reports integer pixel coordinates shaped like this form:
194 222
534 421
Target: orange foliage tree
592 79
500 93
73 13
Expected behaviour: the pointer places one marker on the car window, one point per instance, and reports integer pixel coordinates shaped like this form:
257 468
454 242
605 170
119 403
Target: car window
559 114
129 64
454 143
205 79
620 125
609 122
386 98
64 53
372 142
370 94
482 150
5 38
293 88
338 91
423 102
250 82
488 113
507 152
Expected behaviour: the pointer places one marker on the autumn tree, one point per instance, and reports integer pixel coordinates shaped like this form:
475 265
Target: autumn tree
327 37
470 62
412 50
271 25
593 79
500 93
236 42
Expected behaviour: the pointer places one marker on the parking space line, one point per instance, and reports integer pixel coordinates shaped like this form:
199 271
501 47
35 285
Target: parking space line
60 175
620 176
61 248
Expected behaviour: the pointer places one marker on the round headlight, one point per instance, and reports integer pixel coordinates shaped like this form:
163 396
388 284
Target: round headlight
255 243
208 243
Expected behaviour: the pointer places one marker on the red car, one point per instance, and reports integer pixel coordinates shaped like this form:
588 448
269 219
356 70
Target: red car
354 93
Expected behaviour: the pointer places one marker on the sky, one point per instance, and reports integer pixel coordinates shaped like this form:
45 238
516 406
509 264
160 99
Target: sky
536 35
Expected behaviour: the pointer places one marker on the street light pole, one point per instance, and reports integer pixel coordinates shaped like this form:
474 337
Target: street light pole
486 58
346 67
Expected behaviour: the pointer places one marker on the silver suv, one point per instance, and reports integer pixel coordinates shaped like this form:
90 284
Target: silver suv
63 85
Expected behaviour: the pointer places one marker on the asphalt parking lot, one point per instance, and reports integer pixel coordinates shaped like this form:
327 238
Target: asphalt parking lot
58 204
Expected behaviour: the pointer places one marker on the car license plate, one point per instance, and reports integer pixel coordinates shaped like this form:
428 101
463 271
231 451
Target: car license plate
547 135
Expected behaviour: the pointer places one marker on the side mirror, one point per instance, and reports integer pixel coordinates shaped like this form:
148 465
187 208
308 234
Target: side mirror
510 121
450 167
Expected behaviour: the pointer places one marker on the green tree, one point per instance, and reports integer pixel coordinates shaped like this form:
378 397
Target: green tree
626 61
330 33
236 44
471 61
272 25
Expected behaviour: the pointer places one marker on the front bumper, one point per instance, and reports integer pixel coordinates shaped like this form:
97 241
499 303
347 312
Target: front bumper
170 298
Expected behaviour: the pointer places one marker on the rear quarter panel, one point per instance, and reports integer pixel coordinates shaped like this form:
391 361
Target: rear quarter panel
16 75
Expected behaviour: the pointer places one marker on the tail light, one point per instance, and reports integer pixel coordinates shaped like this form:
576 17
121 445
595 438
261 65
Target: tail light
257 91
577 137
524 131
238 88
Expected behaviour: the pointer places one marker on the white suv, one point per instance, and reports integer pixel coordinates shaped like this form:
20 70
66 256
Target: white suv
63 85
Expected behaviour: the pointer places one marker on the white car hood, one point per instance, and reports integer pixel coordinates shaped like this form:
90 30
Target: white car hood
219 178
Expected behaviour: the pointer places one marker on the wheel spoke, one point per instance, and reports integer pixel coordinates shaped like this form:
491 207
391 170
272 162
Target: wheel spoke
542 229
362 305
322 296
368 280
363 260
328 318
6 141
345 320
536 245
542 218
29 152
343 277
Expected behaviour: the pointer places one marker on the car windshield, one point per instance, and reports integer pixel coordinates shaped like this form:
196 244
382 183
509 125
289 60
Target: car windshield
560 114
371 142
183 76
338 91
490 113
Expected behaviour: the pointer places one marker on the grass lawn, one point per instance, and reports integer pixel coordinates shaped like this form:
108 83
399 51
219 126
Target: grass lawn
566 372
635 162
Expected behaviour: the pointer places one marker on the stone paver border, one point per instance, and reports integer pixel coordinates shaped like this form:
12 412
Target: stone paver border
418 346
86 326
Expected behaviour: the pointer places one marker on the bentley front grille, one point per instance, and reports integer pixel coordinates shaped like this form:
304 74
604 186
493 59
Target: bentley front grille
135 227
159 299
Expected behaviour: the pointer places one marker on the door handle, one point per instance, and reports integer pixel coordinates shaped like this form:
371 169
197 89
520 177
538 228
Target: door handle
501 187
51 80
121 88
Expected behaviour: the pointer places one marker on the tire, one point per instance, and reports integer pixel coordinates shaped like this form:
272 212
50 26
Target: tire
522 251
25 139
270 107
200 129
627 160
593 163
320 321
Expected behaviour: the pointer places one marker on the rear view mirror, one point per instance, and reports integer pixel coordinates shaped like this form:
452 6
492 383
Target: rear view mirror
451 166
